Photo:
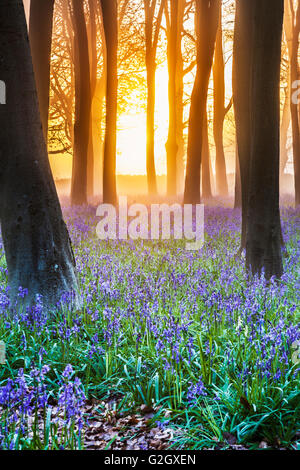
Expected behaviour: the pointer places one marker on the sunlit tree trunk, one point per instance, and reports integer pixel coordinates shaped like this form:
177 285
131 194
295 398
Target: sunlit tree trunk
294 105
207 18
92 41
205 173
152 28
179 99
286 115
82 106
219 111
37 246
171 145
40 35
97 120
110 24
263 239
98 133
150 153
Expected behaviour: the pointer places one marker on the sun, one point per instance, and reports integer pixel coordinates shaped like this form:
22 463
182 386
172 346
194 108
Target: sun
131 145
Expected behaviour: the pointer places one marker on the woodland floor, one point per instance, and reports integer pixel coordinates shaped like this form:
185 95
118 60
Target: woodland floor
173 349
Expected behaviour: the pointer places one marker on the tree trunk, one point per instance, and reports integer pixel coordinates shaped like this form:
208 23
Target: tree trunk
92 41
206 180
241 97
207 18
37 246
150 155
40 35
110 24
219 111
263 239
294 105
171 145
179 100
98 129
82 107
151 46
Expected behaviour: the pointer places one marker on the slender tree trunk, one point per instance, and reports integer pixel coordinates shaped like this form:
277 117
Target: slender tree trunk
97 115
207 18
150 154
171 145
82 107
40 35
263 240
241 97
294 105
92 41
110 24
152 28
179 100
206 180
286 115
37 246
219 111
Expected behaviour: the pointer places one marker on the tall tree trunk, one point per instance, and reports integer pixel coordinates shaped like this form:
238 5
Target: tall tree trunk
219 111
241 97
206 180
152 28
37 246
40 36
82 106
110 24
171 145
97 117
294 105
92 41
263 240
207 18
179 100
150 154
286 115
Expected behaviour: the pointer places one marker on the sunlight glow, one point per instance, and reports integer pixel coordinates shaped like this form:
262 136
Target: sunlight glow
131 157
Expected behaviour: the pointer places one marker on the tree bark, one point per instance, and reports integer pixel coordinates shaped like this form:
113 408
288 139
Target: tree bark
207 18
263 239
110 24
219 111
40 35
37 246
82 107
